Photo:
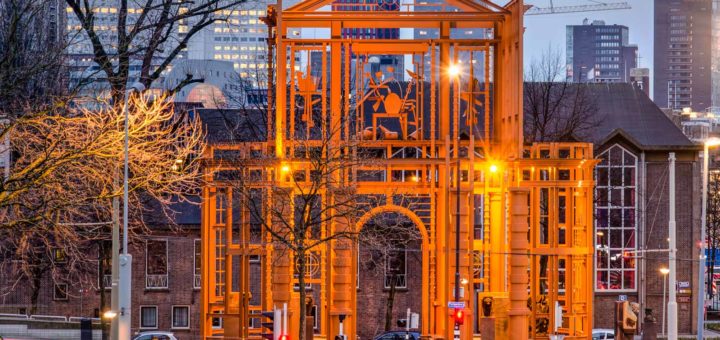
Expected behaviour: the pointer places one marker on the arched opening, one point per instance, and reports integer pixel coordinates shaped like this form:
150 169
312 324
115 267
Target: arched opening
390 272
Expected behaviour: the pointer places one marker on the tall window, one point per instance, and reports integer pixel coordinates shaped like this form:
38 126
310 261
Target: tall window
180 317
615 225
396 269
156 258
197 281
148 317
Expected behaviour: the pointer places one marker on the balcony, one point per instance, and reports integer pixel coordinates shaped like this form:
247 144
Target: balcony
107 281
400 283
156 281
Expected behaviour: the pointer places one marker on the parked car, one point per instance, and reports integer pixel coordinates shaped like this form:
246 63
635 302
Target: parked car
603 334
398 335
155 335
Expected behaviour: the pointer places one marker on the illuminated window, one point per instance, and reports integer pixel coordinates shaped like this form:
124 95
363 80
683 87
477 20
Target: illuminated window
615 224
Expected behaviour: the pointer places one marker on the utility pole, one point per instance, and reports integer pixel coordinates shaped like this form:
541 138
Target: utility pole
125 259
114 294
672 235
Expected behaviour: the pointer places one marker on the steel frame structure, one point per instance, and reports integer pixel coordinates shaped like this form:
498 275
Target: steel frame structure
533 203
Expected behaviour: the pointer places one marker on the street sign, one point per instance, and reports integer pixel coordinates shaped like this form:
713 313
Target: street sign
622 298
456 304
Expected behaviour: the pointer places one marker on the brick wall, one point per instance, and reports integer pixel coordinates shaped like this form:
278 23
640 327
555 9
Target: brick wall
656 235
372 296
85 301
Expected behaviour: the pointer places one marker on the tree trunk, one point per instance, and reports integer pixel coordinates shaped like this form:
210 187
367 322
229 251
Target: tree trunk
390 302
303 294
36 285
101 257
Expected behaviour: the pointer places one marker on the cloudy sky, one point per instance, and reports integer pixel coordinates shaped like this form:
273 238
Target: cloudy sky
549 30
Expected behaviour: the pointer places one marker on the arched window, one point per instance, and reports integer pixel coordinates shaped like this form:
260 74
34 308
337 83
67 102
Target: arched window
615 220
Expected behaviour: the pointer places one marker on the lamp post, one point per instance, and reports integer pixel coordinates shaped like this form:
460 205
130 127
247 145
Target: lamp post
710 142
664 271
125 260
454 72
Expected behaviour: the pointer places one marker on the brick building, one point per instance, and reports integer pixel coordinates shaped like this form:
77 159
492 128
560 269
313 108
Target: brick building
166 285
634 139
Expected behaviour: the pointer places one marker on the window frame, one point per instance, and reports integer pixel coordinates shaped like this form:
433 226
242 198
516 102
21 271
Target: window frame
197 243
167 263
172 317
55 290
156 316
608 206
404 271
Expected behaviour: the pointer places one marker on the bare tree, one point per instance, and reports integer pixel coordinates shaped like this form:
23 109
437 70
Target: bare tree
313 200
31 51
154 34
554 108
62 179
386 242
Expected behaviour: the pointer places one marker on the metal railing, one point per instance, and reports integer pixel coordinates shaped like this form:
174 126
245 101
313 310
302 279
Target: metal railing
107 281
156 281
400 283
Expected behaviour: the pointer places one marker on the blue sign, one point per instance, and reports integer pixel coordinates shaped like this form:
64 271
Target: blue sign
456 304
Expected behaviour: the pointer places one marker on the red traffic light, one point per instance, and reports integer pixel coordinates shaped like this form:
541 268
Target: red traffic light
284 337
459 316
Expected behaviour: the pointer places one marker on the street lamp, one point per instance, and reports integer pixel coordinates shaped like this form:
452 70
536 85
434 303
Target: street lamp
125 259
710 142
454 75
664 271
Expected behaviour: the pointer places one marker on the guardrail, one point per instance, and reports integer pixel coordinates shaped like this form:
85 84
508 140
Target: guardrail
156 281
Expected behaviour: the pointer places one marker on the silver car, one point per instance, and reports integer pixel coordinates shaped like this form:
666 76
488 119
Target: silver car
603 334
155 335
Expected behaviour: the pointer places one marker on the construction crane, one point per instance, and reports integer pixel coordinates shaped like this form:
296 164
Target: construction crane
598 6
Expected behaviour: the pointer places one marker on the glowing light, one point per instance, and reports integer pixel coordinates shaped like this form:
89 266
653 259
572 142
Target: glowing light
464 281
493 168
415 179
454 70
712 141
664 271
110 314
600 233
285 168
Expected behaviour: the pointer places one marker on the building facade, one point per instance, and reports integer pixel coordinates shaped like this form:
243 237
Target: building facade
599 53
682 54
631 205
240 40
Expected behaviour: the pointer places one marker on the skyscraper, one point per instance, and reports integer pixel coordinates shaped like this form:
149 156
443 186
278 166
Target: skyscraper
599 53
682 65
239 40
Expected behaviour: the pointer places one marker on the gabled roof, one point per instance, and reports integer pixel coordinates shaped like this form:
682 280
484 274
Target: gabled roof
623 110
626 110
233 125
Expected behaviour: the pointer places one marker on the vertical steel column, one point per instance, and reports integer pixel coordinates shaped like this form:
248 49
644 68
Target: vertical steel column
497 243
519 263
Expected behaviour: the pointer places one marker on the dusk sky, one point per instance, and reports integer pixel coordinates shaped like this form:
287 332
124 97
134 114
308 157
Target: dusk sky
549 30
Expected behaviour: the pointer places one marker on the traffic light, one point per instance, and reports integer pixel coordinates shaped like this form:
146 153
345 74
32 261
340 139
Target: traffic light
459 316
284 337
341 337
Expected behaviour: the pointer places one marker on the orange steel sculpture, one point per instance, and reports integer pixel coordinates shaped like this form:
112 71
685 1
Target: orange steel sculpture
533 202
